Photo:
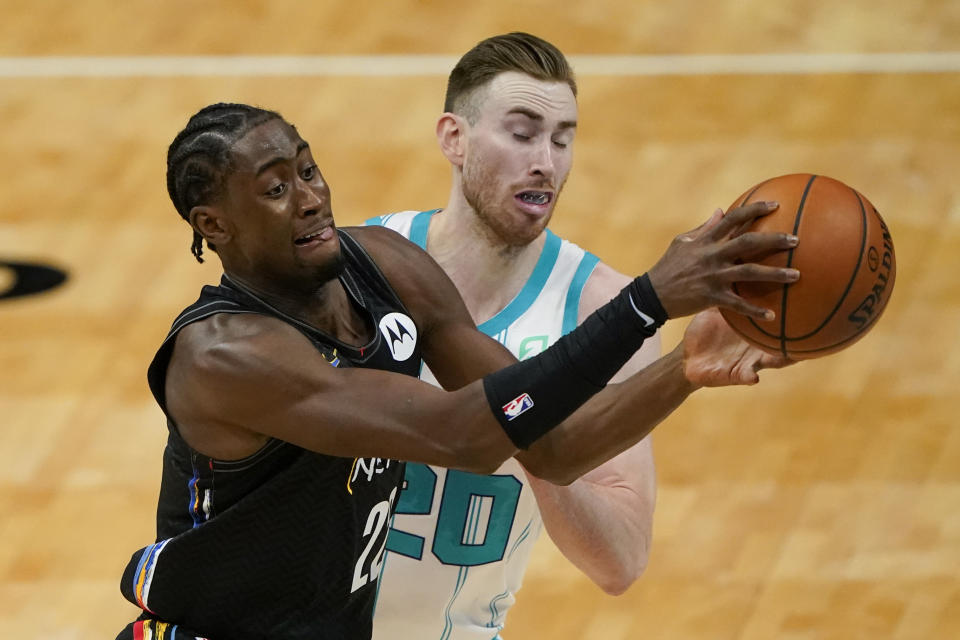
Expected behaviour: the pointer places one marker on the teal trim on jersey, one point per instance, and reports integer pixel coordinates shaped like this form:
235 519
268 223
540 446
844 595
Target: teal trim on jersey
523 536
461 580
419 227
509 314
378 221
572 307
494 613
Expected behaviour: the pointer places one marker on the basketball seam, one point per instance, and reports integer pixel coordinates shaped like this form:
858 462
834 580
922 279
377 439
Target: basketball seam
786 287
753 339
849 338
783 301
853 277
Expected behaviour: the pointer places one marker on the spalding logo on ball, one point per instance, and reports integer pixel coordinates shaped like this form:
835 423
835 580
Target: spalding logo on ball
846 261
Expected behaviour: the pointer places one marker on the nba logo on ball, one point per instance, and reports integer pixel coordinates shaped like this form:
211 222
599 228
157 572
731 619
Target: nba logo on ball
517 406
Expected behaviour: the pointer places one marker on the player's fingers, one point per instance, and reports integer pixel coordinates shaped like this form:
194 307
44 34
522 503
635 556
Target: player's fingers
738 304
770 361
748 375
752 272
711 222
754 245
743 228
740 216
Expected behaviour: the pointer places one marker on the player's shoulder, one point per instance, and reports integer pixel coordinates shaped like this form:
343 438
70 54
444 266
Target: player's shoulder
604 283
603 278
221 337
607 280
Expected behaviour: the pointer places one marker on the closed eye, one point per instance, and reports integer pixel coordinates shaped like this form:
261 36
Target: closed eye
277 191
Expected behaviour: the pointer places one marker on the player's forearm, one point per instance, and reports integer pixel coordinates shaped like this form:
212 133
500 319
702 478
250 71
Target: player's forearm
534 396
604 528
611 422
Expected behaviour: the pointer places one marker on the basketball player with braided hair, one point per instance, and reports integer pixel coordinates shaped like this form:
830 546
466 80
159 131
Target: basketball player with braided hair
290 389
199 155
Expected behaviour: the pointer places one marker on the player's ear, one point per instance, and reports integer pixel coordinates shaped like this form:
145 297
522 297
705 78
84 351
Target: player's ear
452 137
208 221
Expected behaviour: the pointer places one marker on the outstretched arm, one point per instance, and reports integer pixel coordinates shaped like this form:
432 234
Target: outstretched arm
256 377
603 521
697 271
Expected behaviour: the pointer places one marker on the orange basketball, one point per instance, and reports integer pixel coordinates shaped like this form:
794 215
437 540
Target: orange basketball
846 262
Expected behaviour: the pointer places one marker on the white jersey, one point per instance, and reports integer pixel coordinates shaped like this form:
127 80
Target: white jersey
460 542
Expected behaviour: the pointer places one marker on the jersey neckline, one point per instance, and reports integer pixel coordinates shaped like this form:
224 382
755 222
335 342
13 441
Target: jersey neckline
419 227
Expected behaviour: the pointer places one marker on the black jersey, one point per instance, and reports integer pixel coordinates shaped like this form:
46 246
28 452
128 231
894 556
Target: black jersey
286 543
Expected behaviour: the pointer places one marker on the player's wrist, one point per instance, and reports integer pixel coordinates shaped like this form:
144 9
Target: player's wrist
678 363
646 303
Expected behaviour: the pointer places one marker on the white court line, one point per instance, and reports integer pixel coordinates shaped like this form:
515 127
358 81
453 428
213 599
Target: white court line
430 65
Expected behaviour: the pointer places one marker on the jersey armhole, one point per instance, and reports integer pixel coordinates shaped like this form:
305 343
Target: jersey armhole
571 308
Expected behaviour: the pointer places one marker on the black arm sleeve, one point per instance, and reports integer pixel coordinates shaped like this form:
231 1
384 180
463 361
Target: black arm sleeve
533 396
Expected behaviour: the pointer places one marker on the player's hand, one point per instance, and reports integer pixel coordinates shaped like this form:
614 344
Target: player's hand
699 267
715 356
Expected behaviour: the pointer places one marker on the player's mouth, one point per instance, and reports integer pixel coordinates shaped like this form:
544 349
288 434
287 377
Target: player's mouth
534 201
316 236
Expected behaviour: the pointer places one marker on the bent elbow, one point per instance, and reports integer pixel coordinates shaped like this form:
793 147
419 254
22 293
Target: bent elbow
616 587
620 578
618 571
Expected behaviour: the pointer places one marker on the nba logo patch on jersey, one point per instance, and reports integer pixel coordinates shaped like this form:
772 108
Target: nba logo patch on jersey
400 333
517 406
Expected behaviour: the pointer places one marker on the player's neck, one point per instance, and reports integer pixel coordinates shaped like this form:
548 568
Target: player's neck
487 272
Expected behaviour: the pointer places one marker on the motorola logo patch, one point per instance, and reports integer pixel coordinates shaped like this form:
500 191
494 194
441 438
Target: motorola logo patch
18 279
400 334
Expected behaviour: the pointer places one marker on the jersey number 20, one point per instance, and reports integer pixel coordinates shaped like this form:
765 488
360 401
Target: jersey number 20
474 521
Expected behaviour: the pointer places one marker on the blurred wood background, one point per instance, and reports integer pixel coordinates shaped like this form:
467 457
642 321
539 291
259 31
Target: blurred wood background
823 503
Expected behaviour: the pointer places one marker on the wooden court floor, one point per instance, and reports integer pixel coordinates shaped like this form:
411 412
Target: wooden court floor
823 503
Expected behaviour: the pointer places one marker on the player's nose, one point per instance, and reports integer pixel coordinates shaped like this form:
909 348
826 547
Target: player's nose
312 198
543 162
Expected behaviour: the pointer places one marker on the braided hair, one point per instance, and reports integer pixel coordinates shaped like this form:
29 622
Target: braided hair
198 160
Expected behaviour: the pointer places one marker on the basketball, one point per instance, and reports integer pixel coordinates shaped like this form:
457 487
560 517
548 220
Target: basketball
846 261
